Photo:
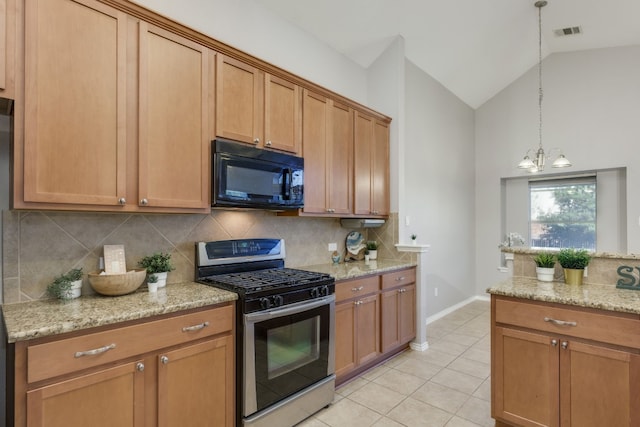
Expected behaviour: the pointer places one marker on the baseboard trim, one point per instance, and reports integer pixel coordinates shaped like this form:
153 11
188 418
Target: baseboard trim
455 307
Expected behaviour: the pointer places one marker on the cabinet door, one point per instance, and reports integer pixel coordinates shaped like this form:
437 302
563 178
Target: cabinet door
380 169
368 328
196 385
389 315
345 337
173 121
239 100
363 148
407 314
74 118
282 115
525 378
340 158
599 386
107 398
314 130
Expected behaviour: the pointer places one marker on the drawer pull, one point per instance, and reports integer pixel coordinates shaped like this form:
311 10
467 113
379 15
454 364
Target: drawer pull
554 343
358 289
95 351
400 279
560 322
564 345
358 302
195 327
140 367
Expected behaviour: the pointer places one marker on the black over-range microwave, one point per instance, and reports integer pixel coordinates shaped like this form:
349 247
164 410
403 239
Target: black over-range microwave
248 177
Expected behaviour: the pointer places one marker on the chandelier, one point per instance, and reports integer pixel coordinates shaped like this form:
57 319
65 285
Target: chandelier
536 163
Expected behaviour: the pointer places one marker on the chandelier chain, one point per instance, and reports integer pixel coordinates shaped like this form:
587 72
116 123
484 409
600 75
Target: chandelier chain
540 93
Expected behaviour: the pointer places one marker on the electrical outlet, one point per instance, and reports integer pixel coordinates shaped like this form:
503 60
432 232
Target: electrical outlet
435 292
407 221
333 247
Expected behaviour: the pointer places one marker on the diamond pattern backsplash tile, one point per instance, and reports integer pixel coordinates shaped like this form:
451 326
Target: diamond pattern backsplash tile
37 246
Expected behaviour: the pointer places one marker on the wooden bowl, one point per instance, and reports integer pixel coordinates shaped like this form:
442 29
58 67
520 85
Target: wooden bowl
117 284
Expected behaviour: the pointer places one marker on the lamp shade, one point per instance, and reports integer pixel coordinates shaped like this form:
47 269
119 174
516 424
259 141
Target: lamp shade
561 162
526 163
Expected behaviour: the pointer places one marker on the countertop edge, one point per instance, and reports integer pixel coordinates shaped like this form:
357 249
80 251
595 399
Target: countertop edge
42 318
594 296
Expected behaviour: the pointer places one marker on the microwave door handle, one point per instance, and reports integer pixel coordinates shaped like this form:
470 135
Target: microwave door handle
287 177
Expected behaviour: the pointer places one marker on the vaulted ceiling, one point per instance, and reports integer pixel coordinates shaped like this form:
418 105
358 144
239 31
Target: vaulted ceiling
474 48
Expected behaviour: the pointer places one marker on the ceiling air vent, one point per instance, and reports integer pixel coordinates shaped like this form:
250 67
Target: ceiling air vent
561 32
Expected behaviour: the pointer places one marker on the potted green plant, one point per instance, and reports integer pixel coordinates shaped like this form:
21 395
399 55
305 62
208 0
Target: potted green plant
152 283
573 261
372 247
158 264
545 266
66 286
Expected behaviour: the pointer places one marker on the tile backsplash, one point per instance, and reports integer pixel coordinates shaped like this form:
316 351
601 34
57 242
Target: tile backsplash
37 246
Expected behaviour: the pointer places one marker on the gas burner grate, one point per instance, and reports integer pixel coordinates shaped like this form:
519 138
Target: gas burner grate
259 280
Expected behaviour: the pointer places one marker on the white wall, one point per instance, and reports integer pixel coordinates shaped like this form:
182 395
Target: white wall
250 27
591 109
439 186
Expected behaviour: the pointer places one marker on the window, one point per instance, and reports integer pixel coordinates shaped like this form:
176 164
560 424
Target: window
563 213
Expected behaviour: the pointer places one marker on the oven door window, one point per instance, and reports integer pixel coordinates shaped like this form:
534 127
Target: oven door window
291 353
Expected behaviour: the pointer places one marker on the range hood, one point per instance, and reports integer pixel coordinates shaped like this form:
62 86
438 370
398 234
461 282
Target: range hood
361 222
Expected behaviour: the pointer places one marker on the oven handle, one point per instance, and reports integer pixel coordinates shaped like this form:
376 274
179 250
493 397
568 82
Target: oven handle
287 311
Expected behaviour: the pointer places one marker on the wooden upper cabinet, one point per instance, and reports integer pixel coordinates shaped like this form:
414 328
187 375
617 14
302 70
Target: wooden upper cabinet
314 135
328 154
74 118
7 49
239 100
371 162
256 108
282 115
173 120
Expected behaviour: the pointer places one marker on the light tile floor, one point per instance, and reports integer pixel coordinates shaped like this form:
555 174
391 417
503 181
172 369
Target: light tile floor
447 385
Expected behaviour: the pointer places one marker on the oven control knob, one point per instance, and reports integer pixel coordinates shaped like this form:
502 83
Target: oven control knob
324 291
278 300
265 303
315 292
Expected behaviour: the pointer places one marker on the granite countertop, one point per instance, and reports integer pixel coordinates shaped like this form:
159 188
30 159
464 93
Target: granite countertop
603 297
351 270
34 319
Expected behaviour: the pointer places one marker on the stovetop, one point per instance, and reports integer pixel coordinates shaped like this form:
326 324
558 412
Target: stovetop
254 269
250 282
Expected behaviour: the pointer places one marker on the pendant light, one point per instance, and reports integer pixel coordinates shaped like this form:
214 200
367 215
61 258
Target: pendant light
537 163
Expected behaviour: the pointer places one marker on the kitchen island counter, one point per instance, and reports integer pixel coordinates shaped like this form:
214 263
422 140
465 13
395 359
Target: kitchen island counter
34 319
597 296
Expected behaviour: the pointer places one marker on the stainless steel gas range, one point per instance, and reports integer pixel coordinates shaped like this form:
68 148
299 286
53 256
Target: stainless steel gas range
285 325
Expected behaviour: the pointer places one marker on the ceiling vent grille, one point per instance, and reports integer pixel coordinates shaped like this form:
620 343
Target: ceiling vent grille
568 31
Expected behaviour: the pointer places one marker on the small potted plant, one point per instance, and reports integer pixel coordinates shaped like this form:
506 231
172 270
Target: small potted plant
413 238
152 283
573 261
545 266
66 286
158 264
372 247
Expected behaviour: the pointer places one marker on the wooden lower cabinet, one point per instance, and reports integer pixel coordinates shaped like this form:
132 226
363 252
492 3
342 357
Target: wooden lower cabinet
189 381
106 398
546 379
357 332
372 325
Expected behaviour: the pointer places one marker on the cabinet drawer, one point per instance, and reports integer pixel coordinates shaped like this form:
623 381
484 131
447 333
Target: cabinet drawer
66 355
606 328
399 278
356 288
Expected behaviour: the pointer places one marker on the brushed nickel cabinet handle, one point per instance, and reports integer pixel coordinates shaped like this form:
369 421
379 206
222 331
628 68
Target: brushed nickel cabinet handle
564 345
95 351
122 201
256 140
268 144
554 343
560 322
400 279
140 367
164 360
195 327
358 302
358 289
144 202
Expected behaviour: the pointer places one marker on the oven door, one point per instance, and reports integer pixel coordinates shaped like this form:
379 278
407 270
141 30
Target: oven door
287 350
